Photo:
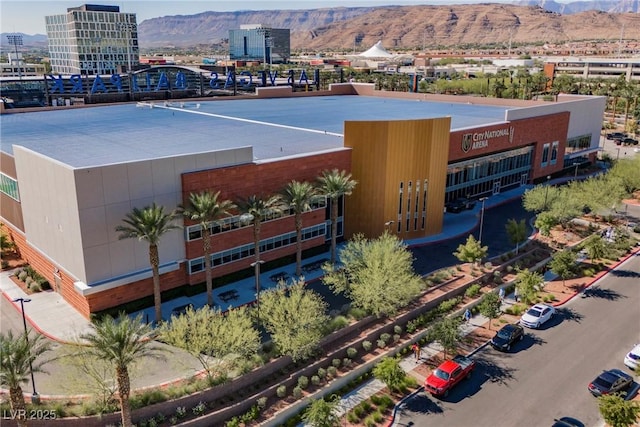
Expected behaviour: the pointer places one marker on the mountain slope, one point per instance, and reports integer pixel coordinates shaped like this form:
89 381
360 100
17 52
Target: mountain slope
398 26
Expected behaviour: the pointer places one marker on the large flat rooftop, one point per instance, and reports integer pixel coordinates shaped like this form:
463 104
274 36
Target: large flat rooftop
96 136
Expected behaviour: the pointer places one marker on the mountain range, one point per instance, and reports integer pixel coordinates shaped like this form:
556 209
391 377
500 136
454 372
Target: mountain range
403 27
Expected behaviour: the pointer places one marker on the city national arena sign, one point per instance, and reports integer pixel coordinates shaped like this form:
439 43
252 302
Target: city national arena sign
478 140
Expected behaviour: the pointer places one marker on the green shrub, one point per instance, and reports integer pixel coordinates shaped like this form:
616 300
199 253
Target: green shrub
397 329
412 326
315 380
281 391
381 344
359 412
472 291
448 305
303 382
199 409
352 417
332 371
338 322
366 345
366 406
322 373
181 412
396 337
35 286
233 422
357 313
385 337
346 362
352 352
370 422
297 392
377 417
261 402
336 362
23 275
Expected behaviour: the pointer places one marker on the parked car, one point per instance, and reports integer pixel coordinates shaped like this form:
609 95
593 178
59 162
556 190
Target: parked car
567 422
632 359
611 381
507 336
459 205
537 315
630 141
448 374
616 135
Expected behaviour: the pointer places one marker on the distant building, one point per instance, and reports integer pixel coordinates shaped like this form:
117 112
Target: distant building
92 39
258 43
18 68
594 68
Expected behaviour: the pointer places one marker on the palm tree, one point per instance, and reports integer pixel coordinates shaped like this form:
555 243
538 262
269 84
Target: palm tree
149 224
335 184
206 209
121 342
299 196
17 357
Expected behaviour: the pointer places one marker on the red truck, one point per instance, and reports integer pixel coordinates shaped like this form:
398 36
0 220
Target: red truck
448 374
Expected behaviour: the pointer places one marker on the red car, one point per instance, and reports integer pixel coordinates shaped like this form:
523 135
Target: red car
448 374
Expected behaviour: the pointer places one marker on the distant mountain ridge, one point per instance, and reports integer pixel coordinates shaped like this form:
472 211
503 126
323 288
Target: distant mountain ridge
404 26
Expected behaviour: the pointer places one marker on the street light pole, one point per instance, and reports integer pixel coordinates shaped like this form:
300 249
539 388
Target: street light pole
482 199
575 175
35 398
256 272
16 40
546 192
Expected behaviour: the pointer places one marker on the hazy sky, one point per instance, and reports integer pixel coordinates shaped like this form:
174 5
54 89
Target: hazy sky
27 16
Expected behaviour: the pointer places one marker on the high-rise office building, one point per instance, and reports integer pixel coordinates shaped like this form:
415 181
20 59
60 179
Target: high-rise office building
92 39
260 43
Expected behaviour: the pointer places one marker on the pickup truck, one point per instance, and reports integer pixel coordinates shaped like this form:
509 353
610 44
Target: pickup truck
448 374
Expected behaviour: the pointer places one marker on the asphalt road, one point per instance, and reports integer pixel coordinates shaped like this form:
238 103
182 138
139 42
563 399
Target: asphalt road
547 374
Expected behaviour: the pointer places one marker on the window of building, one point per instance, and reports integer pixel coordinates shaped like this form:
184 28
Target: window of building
545 155
554 152
9 186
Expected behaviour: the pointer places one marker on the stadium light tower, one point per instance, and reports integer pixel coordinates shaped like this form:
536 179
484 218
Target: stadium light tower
16 40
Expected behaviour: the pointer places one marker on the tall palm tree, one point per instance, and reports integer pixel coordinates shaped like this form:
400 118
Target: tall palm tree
121 342
149 224
206 208
299 196
17 357
335 184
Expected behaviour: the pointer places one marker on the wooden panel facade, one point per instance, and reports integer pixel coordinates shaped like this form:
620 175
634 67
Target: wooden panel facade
390 157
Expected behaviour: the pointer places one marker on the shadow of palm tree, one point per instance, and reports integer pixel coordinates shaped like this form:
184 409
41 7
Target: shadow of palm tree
570 314
607 294
495 373
625 273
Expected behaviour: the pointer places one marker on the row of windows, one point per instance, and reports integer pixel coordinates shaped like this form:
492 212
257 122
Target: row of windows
419 206
246 251
473 177
9 186
578 143
194 232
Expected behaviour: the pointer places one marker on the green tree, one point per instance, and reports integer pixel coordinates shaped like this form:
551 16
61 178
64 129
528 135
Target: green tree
18 355
121 342
545 221
255 210
335 184
299 196
528 283
595 247
618 412
377 274
540 197
295 317
323 413
490 306
206 209
563 263
149 224
209 334
517 232
471 250
448 333
625 174
389 371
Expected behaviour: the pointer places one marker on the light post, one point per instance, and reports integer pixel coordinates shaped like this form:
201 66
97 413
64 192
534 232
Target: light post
16 40
575 174
482 199
546 192
388 225
35 398
256 271
618 155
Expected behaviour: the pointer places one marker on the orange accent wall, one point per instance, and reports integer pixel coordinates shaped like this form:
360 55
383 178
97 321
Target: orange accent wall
386 153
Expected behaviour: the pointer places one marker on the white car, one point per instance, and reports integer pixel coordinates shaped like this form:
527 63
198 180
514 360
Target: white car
632 359
537 315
